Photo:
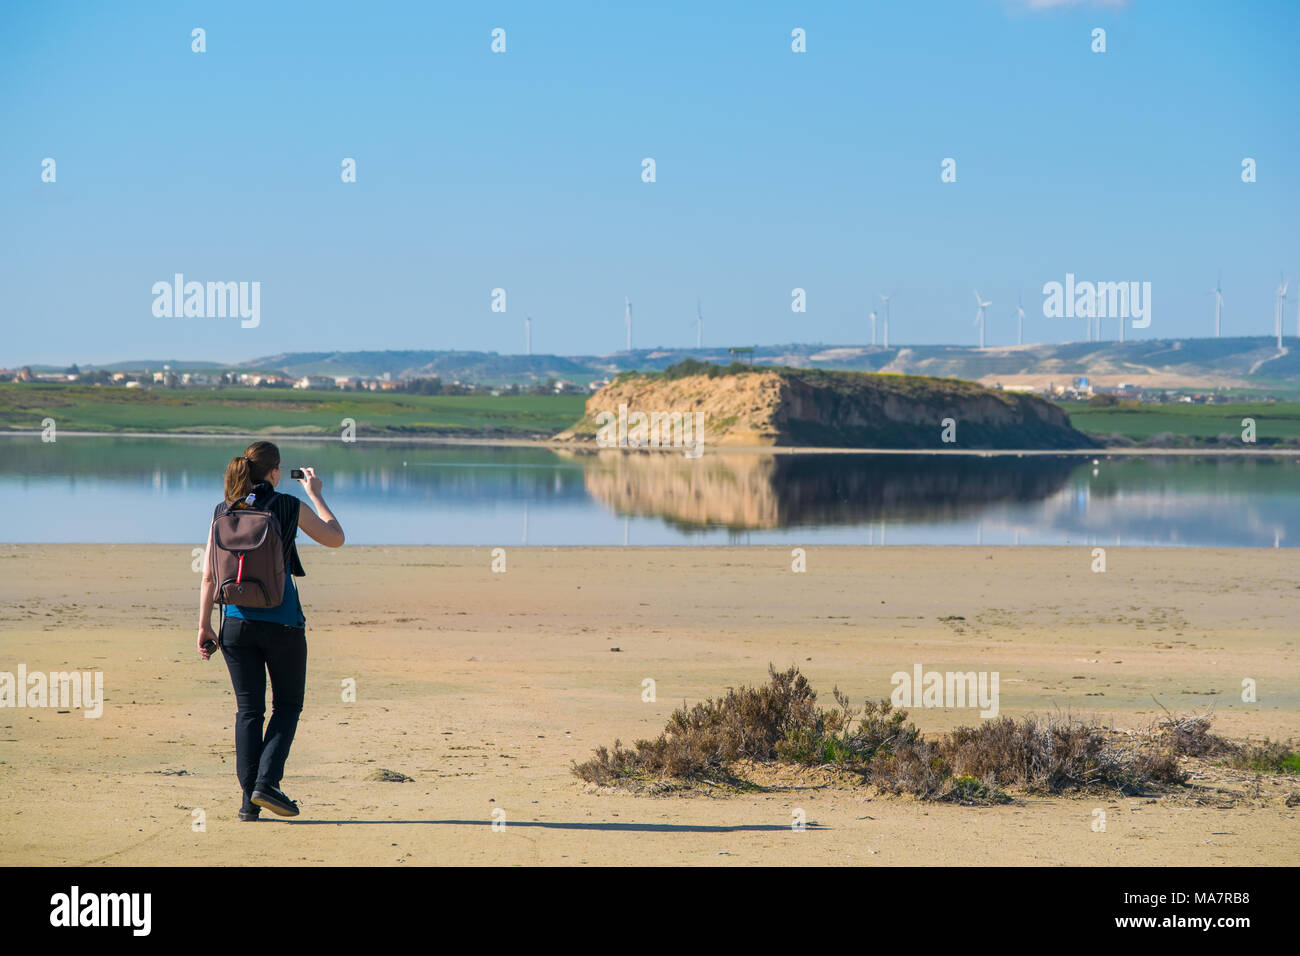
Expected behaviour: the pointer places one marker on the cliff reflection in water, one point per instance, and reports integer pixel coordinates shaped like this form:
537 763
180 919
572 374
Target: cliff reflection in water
757 491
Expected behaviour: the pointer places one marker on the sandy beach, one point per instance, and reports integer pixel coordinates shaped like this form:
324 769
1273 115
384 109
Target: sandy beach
483 687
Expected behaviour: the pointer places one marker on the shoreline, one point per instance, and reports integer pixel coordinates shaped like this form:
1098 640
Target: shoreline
589 447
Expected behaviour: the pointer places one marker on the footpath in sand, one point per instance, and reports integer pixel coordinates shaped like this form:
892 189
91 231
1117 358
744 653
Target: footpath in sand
483 687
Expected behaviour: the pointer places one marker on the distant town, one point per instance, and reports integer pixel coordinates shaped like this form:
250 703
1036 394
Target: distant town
1194 371
165 377
1079 389
1172 394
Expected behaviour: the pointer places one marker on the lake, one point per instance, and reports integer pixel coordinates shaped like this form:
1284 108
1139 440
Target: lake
143 490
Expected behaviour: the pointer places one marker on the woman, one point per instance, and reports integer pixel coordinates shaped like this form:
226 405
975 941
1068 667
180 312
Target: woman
257 640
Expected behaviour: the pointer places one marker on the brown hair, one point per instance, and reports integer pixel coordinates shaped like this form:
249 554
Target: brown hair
255 464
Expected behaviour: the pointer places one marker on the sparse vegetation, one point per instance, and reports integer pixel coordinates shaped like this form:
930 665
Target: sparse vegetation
780 723
1190 736
689 367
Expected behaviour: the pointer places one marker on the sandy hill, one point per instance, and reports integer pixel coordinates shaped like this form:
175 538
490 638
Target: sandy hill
809 407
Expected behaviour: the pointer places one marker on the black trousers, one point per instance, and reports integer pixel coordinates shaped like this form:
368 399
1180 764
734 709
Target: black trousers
252 649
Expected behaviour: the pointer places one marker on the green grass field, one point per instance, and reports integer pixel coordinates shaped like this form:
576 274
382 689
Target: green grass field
1277 422
284 411
291 412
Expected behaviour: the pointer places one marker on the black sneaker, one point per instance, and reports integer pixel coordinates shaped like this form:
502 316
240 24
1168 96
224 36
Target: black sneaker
250 814
274 800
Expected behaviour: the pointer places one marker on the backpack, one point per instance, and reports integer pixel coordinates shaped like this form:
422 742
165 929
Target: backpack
247 557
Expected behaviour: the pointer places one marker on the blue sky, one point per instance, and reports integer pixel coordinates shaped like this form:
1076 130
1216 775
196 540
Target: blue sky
522 170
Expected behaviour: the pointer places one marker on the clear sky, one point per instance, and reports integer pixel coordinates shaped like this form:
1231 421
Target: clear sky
522 170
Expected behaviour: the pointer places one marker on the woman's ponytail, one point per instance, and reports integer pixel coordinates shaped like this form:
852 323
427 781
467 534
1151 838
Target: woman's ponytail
255 464
239 481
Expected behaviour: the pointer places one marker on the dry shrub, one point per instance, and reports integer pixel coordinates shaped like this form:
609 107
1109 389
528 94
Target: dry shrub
1049 755
781 722
700 742
1190 736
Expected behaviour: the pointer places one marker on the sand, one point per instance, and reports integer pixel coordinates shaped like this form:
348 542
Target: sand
483 687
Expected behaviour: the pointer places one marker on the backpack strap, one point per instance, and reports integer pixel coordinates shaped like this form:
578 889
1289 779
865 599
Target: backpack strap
217 512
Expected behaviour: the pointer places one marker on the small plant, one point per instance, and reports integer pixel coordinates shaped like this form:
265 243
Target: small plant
973 792
1268 757
782 723
1191 736
701 741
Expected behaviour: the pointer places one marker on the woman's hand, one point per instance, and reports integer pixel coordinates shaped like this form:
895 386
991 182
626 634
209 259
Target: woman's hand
322 528
206 633
310 483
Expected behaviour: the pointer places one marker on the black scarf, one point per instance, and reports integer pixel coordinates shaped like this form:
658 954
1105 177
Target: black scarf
262 494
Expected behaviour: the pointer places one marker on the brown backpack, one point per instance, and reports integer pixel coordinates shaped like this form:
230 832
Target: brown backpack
247 557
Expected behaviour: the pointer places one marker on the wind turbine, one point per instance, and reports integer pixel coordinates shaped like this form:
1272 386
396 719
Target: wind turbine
1218 303
699 326
873 327
979 315
1277 313
628 303
1297 310
528 335
885 299
1020 319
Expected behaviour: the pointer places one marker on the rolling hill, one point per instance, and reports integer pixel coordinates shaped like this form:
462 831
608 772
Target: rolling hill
1207 363
1240 363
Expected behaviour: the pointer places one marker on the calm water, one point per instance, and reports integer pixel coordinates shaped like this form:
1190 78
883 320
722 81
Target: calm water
163 490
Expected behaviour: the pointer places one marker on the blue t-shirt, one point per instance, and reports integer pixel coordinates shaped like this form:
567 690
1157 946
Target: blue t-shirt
288 612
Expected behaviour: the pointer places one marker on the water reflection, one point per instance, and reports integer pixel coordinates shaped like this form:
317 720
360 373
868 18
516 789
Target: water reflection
753 492
162 490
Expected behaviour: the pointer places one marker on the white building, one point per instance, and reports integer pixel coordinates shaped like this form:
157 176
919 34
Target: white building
314 381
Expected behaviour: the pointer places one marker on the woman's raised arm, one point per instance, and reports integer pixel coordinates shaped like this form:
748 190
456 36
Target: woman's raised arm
322 528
